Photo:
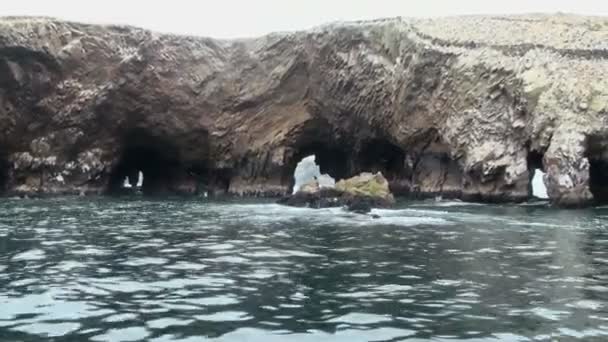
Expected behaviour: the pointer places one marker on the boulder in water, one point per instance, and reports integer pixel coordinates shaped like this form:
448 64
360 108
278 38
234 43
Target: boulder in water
358 194
367 185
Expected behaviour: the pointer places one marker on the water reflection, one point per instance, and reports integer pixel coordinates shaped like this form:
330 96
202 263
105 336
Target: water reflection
134 270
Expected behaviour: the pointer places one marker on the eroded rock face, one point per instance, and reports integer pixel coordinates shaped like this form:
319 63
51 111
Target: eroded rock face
453 112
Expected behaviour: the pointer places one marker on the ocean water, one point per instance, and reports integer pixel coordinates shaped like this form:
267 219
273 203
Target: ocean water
133 269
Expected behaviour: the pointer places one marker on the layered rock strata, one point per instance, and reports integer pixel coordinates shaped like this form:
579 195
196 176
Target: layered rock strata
459 107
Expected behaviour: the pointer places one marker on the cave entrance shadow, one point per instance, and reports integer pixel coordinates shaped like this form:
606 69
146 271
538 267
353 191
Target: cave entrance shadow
597 149
598 180
380 155
157 160
332 160
4 167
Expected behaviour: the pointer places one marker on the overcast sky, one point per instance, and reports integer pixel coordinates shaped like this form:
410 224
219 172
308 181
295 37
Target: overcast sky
242 18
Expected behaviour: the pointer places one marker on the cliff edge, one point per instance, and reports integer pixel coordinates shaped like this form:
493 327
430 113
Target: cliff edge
464 107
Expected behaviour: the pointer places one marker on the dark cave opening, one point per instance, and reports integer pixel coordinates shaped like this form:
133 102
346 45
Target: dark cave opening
332 160
598 180
4 167
156 160
219 181
597 154
535 160
210 181
382 156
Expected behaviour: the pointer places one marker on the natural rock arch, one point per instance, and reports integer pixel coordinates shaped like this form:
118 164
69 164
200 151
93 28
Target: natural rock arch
536 170
333 160
157 159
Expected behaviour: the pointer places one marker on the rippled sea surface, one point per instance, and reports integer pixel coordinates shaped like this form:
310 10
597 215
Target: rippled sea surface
98 269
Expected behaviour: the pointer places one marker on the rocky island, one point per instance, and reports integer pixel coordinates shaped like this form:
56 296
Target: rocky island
360 193
465 107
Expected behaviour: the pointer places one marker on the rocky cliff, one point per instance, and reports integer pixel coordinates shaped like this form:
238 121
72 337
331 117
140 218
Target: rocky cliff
461 107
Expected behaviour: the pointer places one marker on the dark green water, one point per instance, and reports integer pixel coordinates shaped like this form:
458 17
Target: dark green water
139 270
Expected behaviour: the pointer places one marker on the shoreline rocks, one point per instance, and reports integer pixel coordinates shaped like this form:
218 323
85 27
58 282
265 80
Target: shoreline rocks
358 194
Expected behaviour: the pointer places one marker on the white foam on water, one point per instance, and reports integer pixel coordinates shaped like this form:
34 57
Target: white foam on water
586 304
360 318
220 300
224 316
391 288
535 204
31 255
580 334
231 259
23 282
186 266
447 282
535 254
549 314
601 260
163 323
90 250
361 275
410 212
540 224
266 214
120 317
314 335
218 246
488 250
145 261
276 253
457 204
124 334
48 329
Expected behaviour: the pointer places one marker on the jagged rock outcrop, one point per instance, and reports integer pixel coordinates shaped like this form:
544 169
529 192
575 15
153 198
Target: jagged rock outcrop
308 173
458 107
360 194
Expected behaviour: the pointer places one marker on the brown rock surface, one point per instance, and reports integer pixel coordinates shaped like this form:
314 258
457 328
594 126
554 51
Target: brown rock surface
460 107
360 194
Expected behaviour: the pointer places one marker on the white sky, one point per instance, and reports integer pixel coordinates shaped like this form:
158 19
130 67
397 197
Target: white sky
242 18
